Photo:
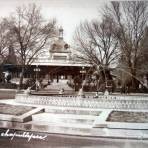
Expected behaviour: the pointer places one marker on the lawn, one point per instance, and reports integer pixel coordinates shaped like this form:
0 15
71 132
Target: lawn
16 110
127 116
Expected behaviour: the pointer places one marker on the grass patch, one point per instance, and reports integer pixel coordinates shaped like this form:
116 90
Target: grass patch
16 110
127 116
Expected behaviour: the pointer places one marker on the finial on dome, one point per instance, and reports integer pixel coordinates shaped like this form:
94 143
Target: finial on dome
61 32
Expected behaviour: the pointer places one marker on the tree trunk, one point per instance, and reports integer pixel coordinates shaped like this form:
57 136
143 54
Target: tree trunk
134 81
21 78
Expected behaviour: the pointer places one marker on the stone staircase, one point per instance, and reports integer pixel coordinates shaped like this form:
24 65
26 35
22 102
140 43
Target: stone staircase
57 86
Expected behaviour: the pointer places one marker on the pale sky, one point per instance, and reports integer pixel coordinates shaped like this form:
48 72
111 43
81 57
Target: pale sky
69 13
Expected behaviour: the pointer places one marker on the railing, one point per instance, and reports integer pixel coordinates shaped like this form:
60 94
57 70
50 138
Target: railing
110 102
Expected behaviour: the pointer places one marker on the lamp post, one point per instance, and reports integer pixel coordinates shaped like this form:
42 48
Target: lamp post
81 93
37 70
83 71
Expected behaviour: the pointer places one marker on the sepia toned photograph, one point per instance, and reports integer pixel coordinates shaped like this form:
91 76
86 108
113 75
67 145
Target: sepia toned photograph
73 74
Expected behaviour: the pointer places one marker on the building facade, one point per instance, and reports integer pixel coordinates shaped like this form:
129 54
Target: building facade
58 62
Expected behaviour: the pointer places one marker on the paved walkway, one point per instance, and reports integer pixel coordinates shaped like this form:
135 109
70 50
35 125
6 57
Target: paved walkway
84 132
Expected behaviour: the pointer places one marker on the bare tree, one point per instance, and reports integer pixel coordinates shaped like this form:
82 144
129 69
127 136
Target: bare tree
97 46
143 61
4 41
4 45
130 18
30 34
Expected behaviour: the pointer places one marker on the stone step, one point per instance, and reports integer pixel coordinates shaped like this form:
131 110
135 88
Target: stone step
72 110
56 126
64 119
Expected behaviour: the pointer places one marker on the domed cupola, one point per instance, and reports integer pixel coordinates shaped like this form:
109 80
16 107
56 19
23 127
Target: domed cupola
60 45
59 48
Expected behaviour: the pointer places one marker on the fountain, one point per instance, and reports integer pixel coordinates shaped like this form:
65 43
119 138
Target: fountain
62 98
106 93
81 93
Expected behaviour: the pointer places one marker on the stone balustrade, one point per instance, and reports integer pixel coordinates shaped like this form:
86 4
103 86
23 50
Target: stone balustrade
108 102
